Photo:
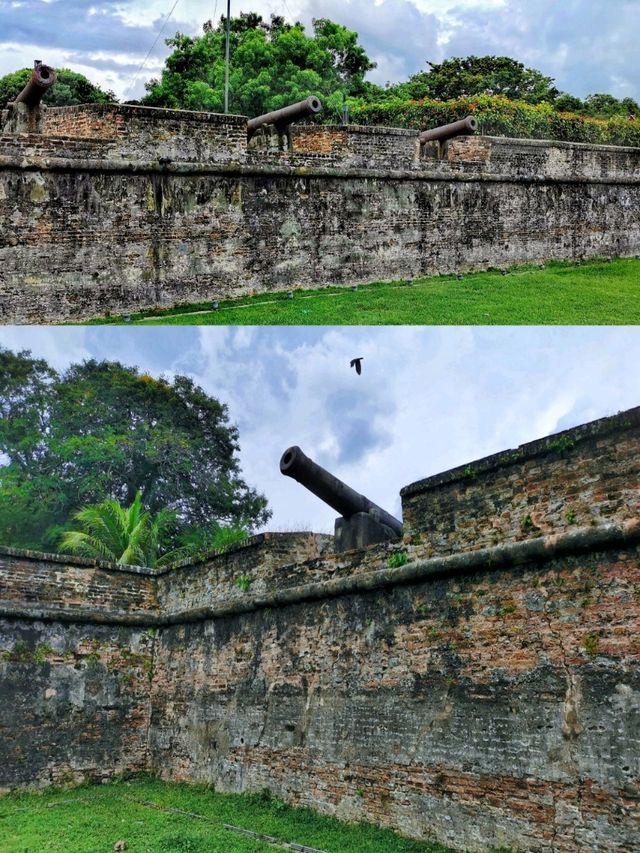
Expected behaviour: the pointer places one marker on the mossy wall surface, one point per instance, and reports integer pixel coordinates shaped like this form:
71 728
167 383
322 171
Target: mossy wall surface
116 209
485 696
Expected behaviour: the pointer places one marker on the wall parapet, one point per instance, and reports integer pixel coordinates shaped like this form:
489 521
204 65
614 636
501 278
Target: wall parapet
585 475
365 571
174 209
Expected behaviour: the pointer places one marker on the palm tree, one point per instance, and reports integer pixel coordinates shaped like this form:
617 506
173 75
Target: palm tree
128 536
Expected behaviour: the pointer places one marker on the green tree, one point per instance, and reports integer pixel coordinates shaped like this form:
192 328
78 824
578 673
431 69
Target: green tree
70 89
128 536
102 430
272 64
601 105
475 75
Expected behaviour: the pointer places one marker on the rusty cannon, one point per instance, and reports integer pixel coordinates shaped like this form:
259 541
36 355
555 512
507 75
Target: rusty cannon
442 134
362 522
24 113
282 119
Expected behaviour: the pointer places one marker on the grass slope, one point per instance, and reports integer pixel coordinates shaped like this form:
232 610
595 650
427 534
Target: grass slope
93 819
594 293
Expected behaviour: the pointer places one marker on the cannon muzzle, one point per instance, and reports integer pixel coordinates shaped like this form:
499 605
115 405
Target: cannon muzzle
24 114
448 131
287 115
43 77
363 522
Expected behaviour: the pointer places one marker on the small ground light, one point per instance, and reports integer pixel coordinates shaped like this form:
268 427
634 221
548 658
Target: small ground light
504 272
540 266
290 294
127 318
459 277
215 304
354 287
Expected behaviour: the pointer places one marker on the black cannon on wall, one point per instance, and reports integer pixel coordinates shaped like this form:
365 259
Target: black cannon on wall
443 134
24 114
362 522
282 119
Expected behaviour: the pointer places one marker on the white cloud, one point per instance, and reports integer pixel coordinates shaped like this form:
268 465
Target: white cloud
58 349
586 45
428 398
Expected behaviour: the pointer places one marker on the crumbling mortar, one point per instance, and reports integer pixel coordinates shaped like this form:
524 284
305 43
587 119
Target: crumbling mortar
568 732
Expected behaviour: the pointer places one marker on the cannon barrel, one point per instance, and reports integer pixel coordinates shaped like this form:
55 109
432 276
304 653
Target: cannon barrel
285 116
448 131
345 500
42 79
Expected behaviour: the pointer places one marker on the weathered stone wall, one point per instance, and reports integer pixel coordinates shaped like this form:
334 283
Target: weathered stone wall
169 208
483 696
68 586
74 700
583 477
153 133
265 561
492 708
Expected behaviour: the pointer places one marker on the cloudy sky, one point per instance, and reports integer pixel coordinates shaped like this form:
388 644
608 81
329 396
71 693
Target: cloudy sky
586 45
428 398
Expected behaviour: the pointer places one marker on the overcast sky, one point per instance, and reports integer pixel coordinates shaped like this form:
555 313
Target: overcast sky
586 45
428 398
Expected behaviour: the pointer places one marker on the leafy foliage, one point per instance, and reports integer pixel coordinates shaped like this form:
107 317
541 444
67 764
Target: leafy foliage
272 64
464 77
102 430
127 536
499 116
71 88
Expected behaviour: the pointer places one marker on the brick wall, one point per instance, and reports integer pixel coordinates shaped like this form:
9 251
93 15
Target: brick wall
151 132
264 562
484 698
487 710
170 208
75 701
578 478
29 579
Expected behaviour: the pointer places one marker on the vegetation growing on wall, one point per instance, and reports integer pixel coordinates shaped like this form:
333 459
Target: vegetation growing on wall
499 116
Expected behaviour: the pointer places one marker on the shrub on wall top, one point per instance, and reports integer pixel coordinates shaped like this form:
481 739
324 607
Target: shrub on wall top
499 116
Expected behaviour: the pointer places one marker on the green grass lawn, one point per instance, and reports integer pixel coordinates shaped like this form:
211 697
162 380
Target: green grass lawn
594 293
147 815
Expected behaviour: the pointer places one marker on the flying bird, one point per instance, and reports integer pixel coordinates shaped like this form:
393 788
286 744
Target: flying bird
356 362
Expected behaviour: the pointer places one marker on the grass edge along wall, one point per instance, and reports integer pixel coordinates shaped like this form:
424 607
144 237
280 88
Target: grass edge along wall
139 208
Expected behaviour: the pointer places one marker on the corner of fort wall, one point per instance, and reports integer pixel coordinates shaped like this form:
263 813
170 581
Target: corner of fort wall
483 690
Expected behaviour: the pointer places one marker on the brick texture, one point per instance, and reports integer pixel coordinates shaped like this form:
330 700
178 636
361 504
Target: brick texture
465 697
128 208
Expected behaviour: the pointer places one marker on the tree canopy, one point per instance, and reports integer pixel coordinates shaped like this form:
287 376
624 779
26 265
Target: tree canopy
272 64
102 430
462 77
70 89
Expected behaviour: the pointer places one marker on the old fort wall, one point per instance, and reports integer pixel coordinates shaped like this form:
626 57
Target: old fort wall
483 691
118 208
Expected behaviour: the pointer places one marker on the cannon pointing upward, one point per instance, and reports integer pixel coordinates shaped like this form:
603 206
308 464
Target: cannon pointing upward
23 115
362 523
43 77
448 131
282 119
